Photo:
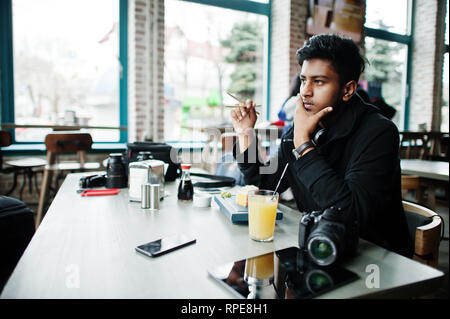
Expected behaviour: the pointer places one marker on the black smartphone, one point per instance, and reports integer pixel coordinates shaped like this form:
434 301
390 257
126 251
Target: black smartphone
165 245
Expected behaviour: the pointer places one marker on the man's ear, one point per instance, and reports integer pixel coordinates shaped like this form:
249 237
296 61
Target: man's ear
348 90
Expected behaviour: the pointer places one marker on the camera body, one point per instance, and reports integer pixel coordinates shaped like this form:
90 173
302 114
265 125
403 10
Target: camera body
92 181
115 176
327 236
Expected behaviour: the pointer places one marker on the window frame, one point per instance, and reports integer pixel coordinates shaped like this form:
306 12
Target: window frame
406 39
7 76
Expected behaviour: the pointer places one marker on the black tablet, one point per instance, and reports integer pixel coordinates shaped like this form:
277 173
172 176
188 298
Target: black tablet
283 274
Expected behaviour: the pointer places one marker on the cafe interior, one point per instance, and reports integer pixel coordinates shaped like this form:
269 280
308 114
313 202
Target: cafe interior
117 137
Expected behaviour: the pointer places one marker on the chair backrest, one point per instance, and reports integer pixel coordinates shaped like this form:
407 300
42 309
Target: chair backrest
424 145
425 226
410 182
5 138
413 183
67 143
416 145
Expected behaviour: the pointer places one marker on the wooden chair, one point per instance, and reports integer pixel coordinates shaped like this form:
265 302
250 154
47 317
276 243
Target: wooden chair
26 166
438 146
414 145
425 229
414 183
424 145
57 144
5 140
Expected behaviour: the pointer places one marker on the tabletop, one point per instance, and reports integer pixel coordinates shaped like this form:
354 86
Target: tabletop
423 168
85 248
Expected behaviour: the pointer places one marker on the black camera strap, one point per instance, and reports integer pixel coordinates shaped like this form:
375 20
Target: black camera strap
212 181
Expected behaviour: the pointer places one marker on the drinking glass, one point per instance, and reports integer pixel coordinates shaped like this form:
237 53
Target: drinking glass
262 212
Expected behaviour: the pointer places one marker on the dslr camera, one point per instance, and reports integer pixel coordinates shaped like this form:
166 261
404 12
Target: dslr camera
92 181
327 236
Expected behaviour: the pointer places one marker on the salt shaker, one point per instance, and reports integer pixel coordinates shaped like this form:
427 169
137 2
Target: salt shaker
145 195
154 196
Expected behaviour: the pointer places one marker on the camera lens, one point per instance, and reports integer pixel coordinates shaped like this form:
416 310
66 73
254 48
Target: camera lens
115 172
322 250
318 280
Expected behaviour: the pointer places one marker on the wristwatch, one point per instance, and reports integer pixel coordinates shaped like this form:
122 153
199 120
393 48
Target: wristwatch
298 152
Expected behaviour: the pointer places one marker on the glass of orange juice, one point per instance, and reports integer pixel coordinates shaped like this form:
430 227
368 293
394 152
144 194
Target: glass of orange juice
262 212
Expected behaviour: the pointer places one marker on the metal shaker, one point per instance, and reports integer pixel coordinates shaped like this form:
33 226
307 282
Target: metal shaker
145 195
154 196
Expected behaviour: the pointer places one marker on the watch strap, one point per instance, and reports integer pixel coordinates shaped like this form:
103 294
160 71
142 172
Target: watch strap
298 152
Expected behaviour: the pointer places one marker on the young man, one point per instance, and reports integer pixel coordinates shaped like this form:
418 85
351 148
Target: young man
341 152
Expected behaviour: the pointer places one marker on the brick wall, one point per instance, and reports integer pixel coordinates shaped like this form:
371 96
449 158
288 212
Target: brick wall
145 70
297 32
438 65
287 36
426 79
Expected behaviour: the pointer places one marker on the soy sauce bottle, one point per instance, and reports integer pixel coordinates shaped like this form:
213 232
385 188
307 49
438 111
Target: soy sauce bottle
185 189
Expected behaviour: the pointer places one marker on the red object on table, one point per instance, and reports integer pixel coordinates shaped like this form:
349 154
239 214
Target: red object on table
100 192
278 123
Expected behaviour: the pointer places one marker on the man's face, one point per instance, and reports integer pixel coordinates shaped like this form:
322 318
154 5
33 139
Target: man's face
320 86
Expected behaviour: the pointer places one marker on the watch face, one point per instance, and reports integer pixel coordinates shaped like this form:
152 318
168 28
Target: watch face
296 154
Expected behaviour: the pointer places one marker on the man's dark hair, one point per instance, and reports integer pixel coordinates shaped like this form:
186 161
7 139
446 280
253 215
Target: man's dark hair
343 54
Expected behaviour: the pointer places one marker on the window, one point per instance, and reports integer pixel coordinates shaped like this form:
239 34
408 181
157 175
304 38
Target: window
387 47
220 50
386 73
66 58
388 15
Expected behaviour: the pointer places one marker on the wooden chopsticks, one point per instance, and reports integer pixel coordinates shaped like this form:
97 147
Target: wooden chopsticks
240 102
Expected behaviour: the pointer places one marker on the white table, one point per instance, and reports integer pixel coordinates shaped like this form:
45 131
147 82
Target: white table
427 169
85 248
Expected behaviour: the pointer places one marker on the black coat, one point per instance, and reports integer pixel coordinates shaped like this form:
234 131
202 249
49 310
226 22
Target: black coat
355 167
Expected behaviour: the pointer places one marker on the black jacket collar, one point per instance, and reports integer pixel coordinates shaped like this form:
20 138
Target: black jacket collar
354 111
351 116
